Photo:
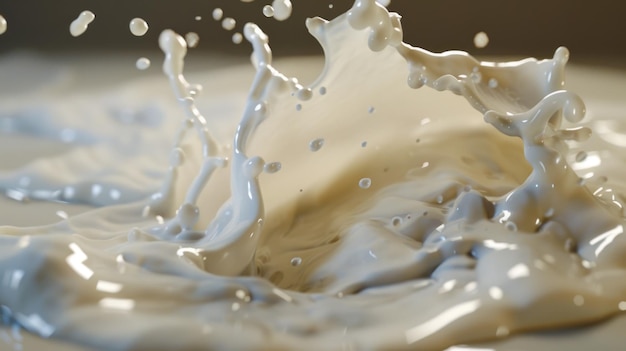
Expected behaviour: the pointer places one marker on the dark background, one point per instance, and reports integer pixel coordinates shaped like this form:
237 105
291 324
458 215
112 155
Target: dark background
515 27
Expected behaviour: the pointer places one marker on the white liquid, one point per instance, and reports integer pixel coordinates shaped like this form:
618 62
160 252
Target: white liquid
281 9
192 39
142 63
228 23
3 25
218 13
397 245
138 27
237 38
481 40
80 24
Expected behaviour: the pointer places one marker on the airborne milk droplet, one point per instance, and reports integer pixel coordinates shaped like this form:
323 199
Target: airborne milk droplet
282 9
479 231
481 40
138 27
80 24
217 14
3 25
192 39
229 23
142 63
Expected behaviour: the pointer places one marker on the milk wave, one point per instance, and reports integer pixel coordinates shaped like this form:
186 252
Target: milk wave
454 240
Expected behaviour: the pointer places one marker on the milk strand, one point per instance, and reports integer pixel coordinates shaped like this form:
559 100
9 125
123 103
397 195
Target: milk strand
430 234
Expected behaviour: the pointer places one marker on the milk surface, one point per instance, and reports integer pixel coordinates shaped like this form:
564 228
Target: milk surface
468 201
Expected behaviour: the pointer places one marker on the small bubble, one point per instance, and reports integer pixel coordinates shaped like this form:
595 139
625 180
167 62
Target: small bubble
396 221
272 167
316 144
296 261
371 109
364 144
476 76
322 90
365 183
304 94
439 199
510 225
298 107
581 156
481 40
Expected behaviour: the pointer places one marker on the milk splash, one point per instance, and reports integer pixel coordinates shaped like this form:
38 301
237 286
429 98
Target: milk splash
428 237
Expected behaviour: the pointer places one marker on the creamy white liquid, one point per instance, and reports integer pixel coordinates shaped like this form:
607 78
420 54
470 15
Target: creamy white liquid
336 217
138 26
80 24
3 25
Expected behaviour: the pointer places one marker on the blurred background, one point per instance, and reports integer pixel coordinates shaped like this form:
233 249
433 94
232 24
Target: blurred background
590 29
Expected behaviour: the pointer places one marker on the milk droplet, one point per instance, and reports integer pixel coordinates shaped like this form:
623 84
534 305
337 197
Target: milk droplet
296 261
3 24
365 183
138 27
579 300
217 14
237 38
229 23
511 226
304 94
282 9
268 11
493 83
481 40
192 39
330 6
198 18
142 63
272 167
396 221
80 24
316 144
